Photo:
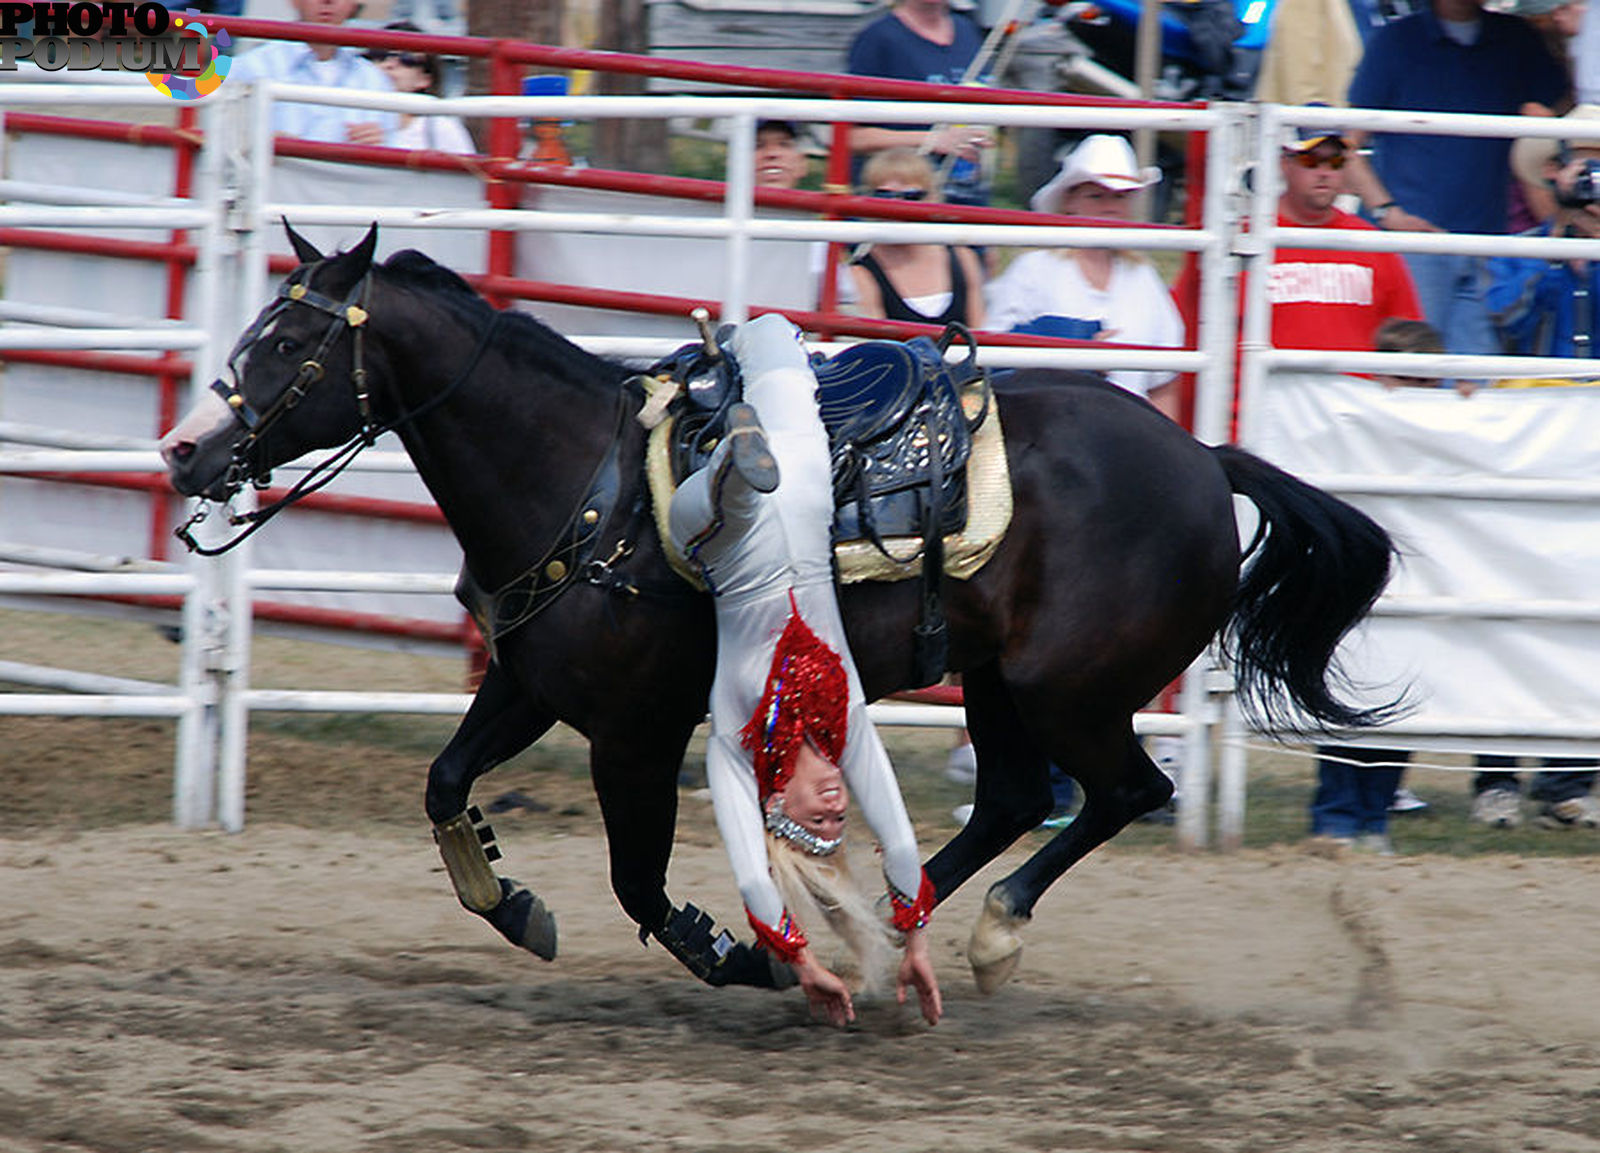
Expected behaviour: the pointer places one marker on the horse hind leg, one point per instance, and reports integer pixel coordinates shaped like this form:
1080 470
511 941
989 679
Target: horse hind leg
500 723
1131 787
636 781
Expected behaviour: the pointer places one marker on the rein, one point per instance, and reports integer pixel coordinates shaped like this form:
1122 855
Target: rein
347 314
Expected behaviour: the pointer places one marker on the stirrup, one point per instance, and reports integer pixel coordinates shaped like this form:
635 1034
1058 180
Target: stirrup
748 450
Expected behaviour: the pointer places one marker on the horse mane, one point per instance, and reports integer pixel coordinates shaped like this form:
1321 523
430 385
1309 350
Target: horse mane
518 335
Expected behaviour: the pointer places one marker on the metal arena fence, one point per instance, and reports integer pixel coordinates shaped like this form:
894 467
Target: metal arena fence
213 238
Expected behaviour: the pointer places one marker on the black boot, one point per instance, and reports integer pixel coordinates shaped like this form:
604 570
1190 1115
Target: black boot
748 450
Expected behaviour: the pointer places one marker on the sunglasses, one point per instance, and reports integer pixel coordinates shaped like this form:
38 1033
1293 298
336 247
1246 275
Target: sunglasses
900 194
1313 160
409 59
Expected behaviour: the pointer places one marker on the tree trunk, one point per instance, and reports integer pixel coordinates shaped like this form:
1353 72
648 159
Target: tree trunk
640 145
539 22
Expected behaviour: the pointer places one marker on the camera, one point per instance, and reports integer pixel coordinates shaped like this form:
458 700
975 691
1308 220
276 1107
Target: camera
1585 188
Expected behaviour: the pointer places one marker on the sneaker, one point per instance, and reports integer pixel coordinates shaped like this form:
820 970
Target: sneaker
1059 819
1329 846
961 814
1374 844
1573 813
1405 801
1498 808
962 767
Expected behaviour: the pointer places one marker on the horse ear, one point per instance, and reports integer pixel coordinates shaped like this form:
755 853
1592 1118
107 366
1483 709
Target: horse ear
346 269
304 250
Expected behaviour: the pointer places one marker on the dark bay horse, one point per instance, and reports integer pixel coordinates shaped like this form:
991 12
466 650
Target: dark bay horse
1121 563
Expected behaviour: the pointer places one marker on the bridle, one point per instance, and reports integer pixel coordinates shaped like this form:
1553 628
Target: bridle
350 314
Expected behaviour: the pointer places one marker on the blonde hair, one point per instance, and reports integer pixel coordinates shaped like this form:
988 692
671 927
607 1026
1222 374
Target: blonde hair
822 889
902 166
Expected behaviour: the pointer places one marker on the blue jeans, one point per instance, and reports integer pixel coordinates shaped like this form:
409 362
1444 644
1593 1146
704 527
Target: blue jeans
1450 289
1353 799
1554 784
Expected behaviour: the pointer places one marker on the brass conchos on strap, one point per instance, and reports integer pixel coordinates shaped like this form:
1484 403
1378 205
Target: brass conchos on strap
555 570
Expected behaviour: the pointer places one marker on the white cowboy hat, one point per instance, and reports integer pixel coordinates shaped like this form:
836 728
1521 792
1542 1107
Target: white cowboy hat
1530 154
1104 160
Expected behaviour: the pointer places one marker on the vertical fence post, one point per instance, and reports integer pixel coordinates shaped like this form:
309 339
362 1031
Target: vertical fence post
505 142
738 206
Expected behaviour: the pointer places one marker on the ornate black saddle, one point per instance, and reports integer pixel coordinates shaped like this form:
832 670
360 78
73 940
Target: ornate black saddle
899 435
886 405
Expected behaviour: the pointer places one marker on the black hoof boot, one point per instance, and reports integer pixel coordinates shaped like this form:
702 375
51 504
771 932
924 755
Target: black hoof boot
751 455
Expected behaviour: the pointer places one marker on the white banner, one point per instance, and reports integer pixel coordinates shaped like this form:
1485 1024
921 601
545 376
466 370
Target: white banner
1493 617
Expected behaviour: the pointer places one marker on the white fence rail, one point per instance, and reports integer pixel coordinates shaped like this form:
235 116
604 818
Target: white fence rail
213 699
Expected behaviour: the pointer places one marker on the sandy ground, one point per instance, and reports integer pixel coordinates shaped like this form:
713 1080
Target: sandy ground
289 990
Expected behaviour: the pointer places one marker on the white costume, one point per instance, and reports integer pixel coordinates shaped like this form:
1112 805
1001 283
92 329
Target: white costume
1135 307
762 553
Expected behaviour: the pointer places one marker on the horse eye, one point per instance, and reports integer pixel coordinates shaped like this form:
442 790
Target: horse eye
285 345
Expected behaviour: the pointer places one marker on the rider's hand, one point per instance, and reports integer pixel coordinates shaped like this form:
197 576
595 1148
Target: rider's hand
829 996
916 970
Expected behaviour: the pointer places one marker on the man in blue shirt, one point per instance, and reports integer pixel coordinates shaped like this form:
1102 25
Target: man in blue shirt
923 40
327 65
1453 57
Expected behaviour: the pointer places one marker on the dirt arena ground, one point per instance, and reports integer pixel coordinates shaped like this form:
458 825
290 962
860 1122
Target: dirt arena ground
310 985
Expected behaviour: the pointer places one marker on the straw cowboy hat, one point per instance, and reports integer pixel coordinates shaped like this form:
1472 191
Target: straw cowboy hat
1104 160
1530 154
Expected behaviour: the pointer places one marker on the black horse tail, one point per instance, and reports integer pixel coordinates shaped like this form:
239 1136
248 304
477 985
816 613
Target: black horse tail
1313 571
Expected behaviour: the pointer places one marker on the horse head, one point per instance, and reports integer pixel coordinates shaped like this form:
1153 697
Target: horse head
294 381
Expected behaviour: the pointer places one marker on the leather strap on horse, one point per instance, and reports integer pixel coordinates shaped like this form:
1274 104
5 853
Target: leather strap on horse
327 470
930 648
570 555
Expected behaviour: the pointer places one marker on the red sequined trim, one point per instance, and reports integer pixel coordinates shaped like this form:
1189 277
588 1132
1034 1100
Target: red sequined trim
909 914
807 694
784 942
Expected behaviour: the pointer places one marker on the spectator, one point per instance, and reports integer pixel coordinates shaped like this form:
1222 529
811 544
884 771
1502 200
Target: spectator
420 72
1536 303
1452 57
1558 21
921 283
1397 335
1563 791
1102 293
780 162
1322 298
323 64
1536 307
923 40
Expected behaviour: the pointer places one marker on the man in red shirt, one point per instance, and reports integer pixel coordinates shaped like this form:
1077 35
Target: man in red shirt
1321 298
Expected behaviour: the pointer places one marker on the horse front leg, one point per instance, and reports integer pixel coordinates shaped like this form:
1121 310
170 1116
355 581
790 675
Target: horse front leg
500 723
636 781
1119 782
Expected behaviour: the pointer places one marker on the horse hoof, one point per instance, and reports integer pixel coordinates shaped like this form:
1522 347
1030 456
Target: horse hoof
995 949
523 920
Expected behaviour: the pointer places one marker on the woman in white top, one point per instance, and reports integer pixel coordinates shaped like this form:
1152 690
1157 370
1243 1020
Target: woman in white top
1111 294
420 72
791 743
